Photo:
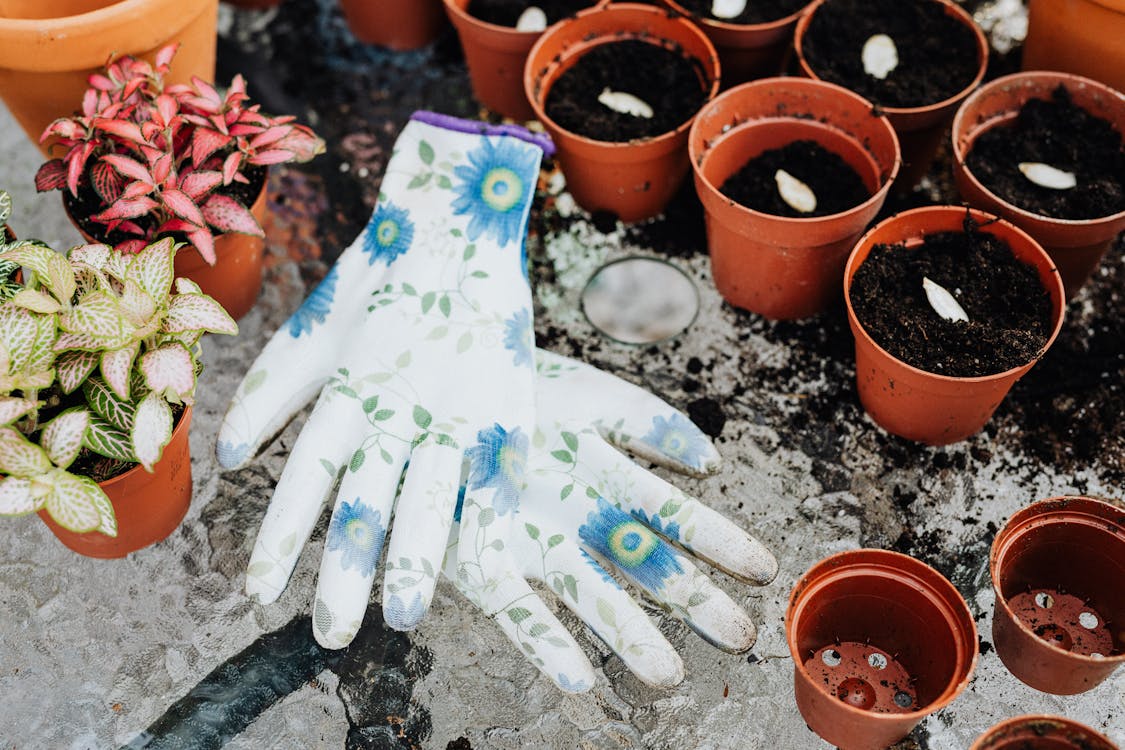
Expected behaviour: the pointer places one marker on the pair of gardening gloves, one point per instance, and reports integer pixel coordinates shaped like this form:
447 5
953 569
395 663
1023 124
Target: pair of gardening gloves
497 461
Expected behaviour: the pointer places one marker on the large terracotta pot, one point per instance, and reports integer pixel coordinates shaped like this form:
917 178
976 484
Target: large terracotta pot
1042 733
633 179
1076 246
148 507
777 266
397 24
924 406
920 129
1078 36
48 48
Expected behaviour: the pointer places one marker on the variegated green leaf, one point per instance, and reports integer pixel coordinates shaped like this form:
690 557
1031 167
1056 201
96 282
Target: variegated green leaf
88 279
72 503
42 355
96 314
136 304
17 497
193 312
12 408
152 268
106 440
5 207
94 256
105 404
73 367
60 277
152 428
106 516
18 333
116 366
187 286
170 372
62 436
19 457
86 342
32 254
36 301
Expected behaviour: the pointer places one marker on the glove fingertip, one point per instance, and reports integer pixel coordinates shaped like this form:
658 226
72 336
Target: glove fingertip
232 455
402 616
580 679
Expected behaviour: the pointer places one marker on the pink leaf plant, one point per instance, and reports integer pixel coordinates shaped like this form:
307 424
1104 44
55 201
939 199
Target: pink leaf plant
163 158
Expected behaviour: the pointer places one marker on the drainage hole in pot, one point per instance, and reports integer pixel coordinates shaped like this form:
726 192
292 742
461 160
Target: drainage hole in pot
640 300
1056 635
856 692
1044 600
1067 621
878 661
863 676
1088 620
831 658
904 699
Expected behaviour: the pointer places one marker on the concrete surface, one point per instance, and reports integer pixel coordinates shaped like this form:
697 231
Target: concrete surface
94 653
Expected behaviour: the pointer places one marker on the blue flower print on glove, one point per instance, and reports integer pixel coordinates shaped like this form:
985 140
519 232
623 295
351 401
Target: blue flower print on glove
315 308
518 337
492 192
389 234
671 531
630 544
357 532
499 460
678 438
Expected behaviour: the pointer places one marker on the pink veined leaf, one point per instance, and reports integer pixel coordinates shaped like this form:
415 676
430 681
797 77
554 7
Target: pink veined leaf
127 209
90 102
51 176
271 156
130 227
244 129
150 130
165 55
169 372
204 242
198 184
238 85
76 166
167 108
205 142
219 122
131 247
100 82
183 206
107 184
239 177
131 87
131 168
195 312
162 168
137 189
127 131
230 167
176 225
207 91
228 215
271 135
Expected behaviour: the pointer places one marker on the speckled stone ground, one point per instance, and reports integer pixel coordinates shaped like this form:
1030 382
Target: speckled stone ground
164 650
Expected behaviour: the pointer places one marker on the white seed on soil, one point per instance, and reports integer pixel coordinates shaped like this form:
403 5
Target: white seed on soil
797 194
944 303
727 8
625 103
880 56
1044 175
532 19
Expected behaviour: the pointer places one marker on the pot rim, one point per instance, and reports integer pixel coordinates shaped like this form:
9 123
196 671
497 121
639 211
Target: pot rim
1040 513
708 22
1058 308
906 570
951 9
697 156
532 78
1021 722
972 132
454 7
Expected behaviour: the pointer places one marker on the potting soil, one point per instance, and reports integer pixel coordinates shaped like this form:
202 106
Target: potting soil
836 185
937 54
1008 308
666 80
1059 133
756 11
508 12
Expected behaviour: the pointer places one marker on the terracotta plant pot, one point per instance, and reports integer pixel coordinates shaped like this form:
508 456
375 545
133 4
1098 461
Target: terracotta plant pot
1075 246
1078 36
919 405
1057 568
397 24
746 51
879 641
148 507
1041 733
48 49
777 266
496 56
634 179
920 129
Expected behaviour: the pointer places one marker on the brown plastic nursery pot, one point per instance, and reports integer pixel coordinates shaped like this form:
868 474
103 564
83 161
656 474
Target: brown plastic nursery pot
920 129
148 507
1057 568
879 641
777 266
633 179
397 24
1041 733
1076 246
49 48
1078 36
924 406
746 51
496 56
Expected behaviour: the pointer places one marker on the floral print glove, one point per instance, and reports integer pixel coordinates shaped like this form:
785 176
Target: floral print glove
589 510
419 344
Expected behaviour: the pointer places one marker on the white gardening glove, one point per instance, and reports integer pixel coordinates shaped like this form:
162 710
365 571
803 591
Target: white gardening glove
419 343
589 509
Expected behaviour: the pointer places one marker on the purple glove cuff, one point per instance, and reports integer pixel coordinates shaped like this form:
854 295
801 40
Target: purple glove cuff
449 122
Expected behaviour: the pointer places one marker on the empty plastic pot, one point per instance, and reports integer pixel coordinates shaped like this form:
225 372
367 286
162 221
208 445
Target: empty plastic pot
1041 733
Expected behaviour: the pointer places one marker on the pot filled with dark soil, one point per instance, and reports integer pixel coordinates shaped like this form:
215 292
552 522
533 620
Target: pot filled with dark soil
1045 151
751 37
1077 36
496 36
397 24
879 641
1042 733
1058 568
617 89
790 172
915 59
949 308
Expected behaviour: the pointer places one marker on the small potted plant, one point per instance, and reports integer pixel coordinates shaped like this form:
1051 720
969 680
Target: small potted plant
1057 568
617 88
1042 733
396 24
1077 36
949 308
1045 150
790 172
916 60
101 360
145 159
879 641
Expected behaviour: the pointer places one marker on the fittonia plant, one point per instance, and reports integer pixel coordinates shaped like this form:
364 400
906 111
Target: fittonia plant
95 350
